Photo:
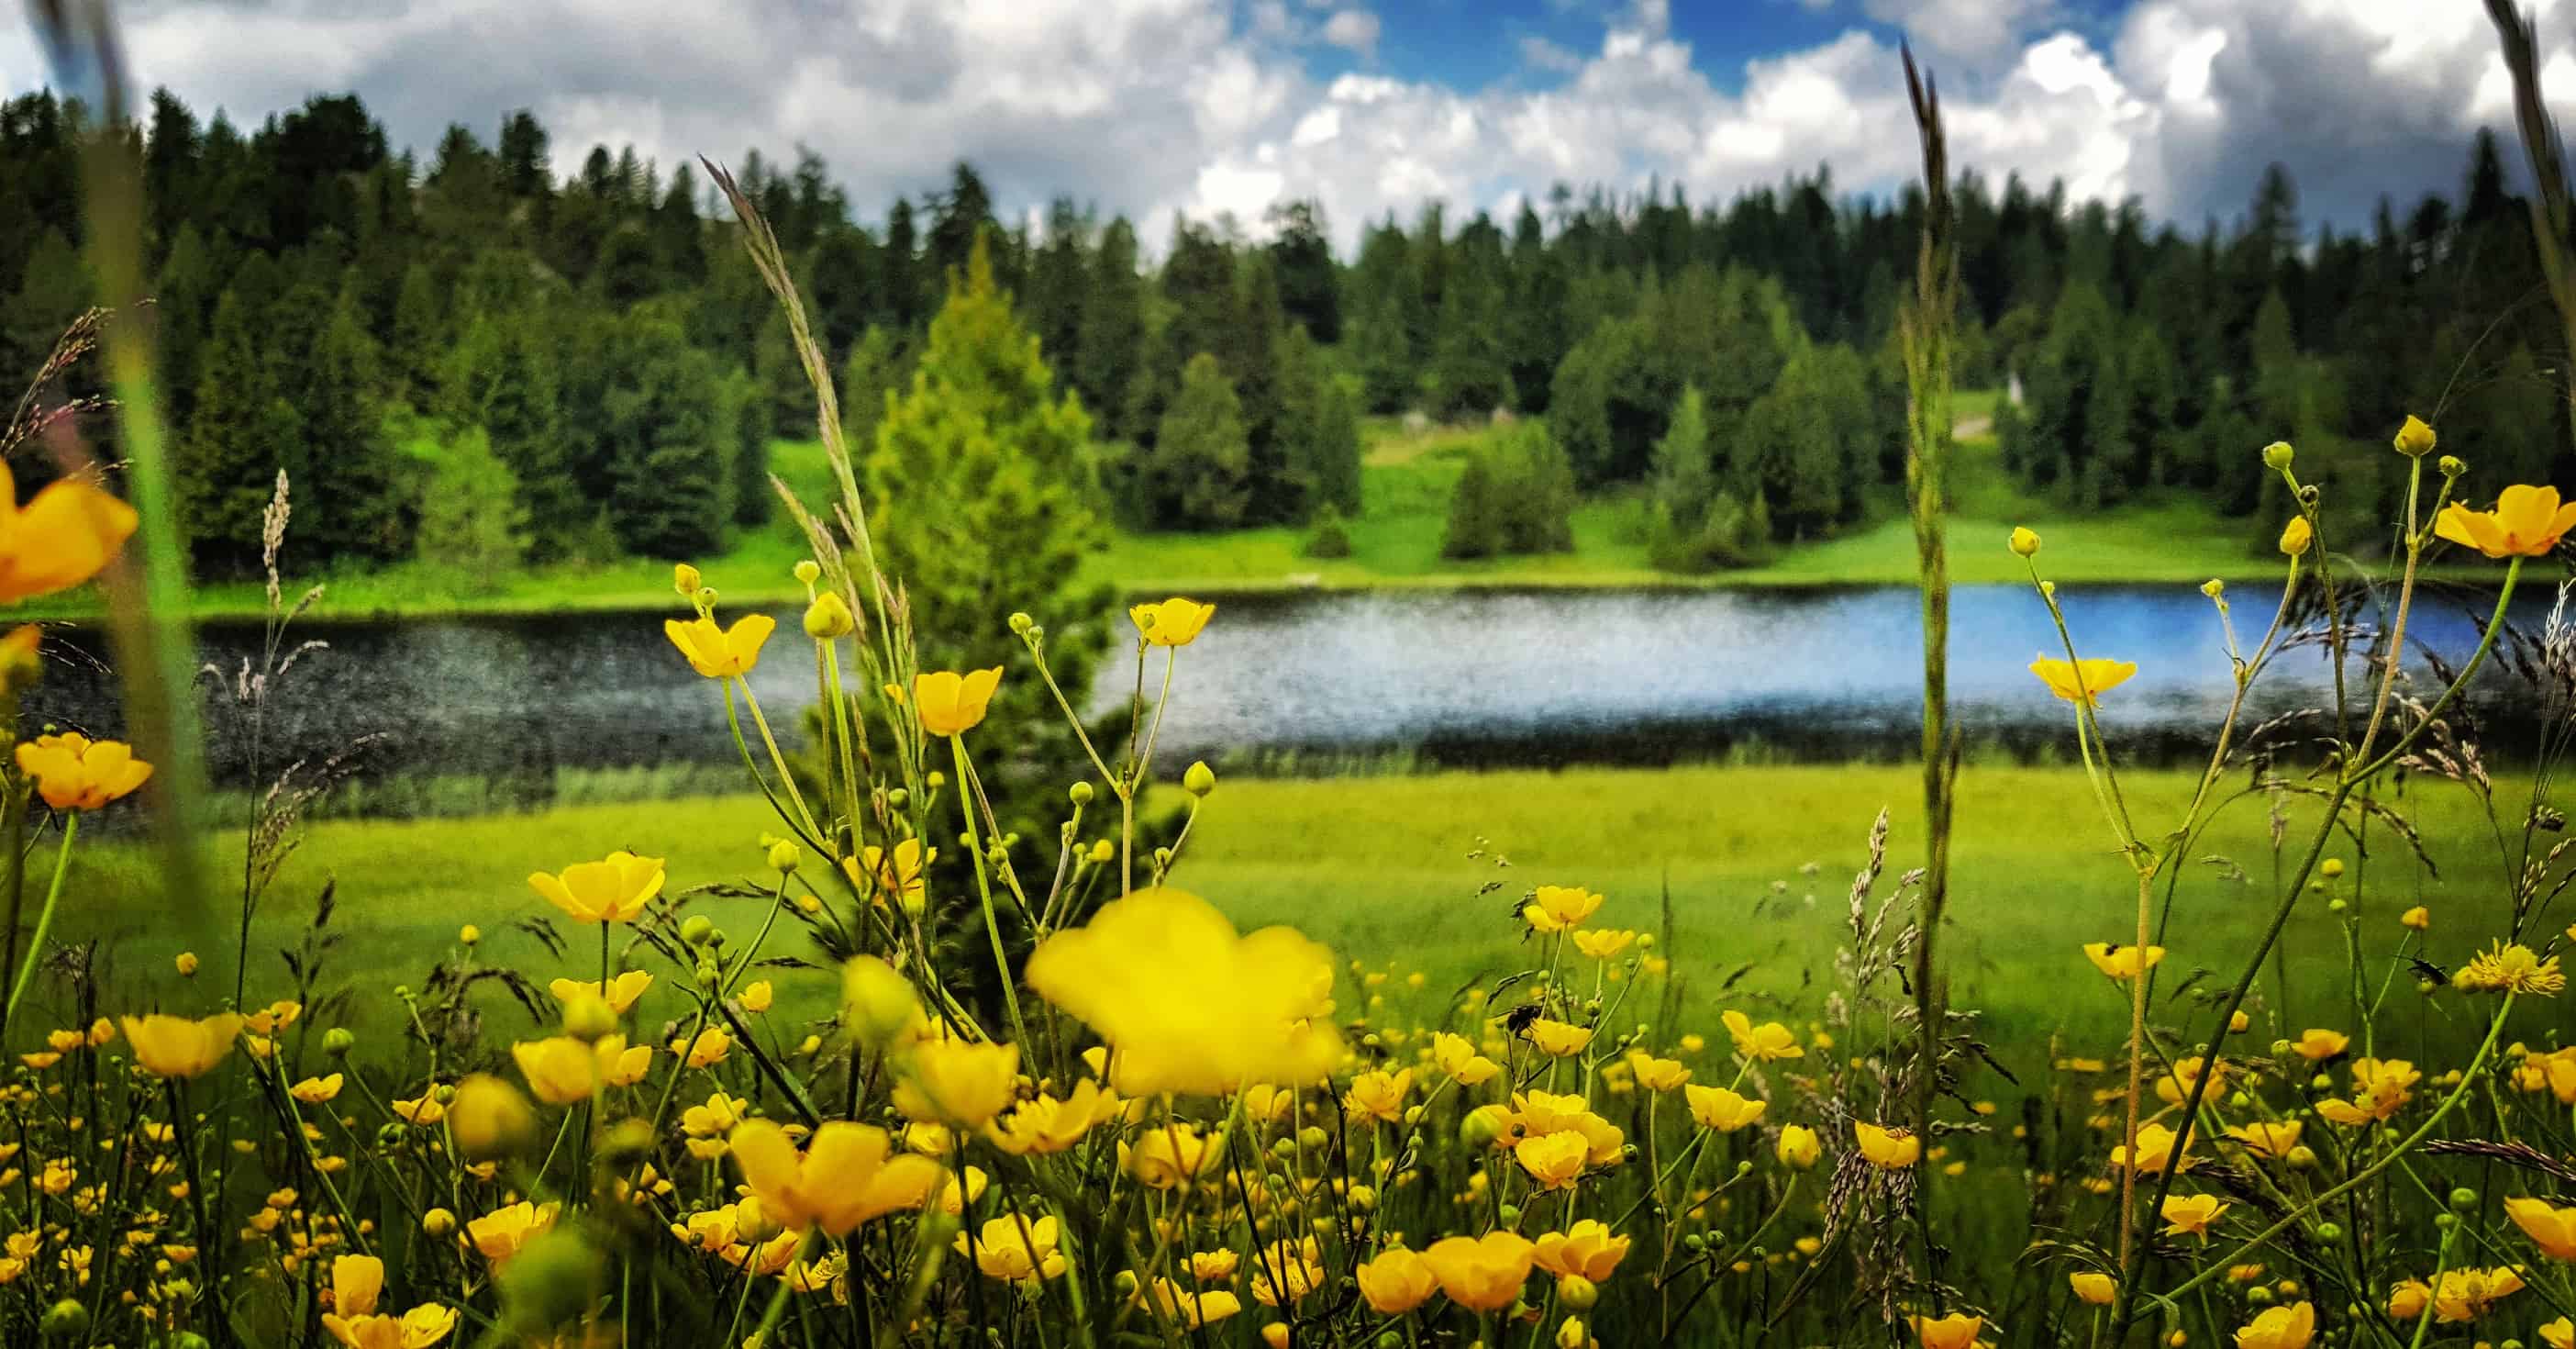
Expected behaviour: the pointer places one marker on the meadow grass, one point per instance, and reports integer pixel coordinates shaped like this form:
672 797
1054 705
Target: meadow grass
1758 861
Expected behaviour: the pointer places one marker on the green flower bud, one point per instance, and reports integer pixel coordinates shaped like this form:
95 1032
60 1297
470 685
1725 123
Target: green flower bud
828 617
338 1041
2464 1199
66 1320
808 571
782 857
2329 1233
697 928
1199 780
588 1017
1021 623
551 1280
2452 466
1081 793
2277 456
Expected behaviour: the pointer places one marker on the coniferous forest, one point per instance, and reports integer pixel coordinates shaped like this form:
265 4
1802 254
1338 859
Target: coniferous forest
482 351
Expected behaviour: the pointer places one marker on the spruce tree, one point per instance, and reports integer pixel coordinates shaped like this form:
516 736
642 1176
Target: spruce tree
1198 475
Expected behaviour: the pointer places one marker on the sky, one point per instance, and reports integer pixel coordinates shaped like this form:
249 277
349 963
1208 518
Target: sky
1154 106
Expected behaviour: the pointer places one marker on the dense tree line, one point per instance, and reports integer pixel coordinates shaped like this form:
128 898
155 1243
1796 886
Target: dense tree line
330 304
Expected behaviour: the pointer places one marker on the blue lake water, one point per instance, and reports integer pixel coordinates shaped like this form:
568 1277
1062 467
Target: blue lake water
1483 678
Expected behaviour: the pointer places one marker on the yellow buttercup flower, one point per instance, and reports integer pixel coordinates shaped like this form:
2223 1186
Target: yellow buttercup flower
2408 1298
1168 1154
1397 1281
2094 1288
357 1284
1586 1250
2380 1088
1191 1307
956 1083
2551 1228
1893 1149
2154 1151
2296 536
2558 1334
2082 682
1379 1095
1484 1273
2175 1087
562 1070
66 534
2192 1214
1044 1124
2512 968
1188 1005
718 652
1557 908
1456 1055
2266 1138
2122 962
1015 1248
620 993
1767 1042
170 1046
613 890
74 772
2467 1294
1656 1074
1603 943
1557 1037
2527 522
899 879
1174 622
317 1090
2288 1327
843 1178
951 703
504 1232
2418 918
1720 1108
2315 1044
1555 1161
1799 1148
1958 1330
706 1051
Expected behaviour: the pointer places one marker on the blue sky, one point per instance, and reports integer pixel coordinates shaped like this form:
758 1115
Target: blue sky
1149 107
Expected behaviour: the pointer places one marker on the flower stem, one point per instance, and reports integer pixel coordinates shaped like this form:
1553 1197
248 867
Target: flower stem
984 889
44 922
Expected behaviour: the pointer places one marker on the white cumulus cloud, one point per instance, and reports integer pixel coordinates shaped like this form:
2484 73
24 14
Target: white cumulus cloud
1152 106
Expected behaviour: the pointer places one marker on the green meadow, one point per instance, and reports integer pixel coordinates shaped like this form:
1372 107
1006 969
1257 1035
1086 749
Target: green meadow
1757 863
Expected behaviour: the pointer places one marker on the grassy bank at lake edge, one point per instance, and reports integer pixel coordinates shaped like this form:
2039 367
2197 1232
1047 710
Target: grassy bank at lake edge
1758 862
1395 545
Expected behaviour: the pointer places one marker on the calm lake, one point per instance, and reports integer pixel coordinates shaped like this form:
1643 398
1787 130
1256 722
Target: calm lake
1475 678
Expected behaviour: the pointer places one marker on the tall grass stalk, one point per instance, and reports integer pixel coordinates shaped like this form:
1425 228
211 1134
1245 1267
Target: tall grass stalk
148 612
1925 328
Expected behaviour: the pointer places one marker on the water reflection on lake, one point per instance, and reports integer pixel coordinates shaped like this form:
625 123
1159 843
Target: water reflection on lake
1470 677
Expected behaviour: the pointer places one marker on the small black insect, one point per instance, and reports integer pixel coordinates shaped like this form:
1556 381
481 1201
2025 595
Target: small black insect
2425 969
1517 1020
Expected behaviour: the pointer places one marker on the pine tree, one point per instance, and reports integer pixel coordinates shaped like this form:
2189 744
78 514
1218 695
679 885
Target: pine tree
1475 514
667 452
982 494
229 460
879 367
740 415
1470 366
1110 344
1333 456
471 523
354 507
1198 475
